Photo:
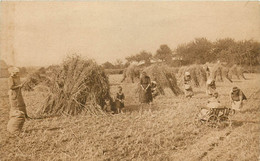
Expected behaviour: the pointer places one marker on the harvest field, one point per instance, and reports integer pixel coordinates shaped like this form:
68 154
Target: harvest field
166 133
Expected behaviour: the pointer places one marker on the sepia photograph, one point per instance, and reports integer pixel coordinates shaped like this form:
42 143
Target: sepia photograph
129 80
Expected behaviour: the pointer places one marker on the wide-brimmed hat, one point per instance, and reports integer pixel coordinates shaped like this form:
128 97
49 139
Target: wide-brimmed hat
13 70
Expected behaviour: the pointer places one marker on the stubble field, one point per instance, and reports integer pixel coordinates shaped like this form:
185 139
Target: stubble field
166 133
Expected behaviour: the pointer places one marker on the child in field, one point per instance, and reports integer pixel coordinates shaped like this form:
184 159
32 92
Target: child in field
108 105
119 100
237 97
154 89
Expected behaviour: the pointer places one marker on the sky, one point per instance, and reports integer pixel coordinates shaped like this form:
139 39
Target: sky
44 33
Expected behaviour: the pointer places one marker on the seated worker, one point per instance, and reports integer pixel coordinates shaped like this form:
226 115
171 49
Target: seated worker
108 105
211 87
237 97
212 102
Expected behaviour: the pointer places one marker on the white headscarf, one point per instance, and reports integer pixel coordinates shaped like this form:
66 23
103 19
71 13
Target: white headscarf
209 81
187 73
13 70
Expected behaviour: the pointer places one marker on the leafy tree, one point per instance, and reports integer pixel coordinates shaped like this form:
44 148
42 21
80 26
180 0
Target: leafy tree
197 51
224 50
248 53
164 53
142 56
243 52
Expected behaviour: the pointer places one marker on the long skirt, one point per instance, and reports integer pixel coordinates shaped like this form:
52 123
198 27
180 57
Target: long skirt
17 101
236 105
145 96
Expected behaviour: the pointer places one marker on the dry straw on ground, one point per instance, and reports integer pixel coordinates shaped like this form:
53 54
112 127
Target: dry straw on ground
78 85
164 78
197 72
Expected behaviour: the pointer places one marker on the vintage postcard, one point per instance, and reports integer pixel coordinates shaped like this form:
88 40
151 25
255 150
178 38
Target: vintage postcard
130 80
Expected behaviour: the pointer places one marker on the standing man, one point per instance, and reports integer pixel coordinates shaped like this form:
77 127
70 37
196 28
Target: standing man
15 93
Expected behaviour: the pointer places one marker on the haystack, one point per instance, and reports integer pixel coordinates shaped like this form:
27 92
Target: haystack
164 78
219 71
78 85
131 73
237 71
197 72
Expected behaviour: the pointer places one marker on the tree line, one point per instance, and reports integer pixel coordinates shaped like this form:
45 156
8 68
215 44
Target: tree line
198 51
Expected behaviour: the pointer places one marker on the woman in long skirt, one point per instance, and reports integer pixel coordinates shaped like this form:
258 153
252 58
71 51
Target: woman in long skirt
145 95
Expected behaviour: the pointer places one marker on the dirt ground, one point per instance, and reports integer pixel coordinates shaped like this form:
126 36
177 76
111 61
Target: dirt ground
166 133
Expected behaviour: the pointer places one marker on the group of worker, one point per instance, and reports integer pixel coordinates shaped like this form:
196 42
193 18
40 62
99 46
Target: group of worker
236 95
146 94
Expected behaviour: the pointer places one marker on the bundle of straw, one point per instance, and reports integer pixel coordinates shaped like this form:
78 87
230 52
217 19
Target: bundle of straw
197 72
219 71
164 77
131 73
236 71
79 85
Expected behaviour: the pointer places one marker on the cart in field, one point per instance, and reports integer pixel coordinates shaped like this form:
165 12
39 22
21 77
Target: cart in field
215 117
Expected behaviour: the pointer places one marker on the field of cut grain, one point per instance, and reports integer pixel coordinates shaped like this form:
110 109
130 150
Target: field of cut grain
165 133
